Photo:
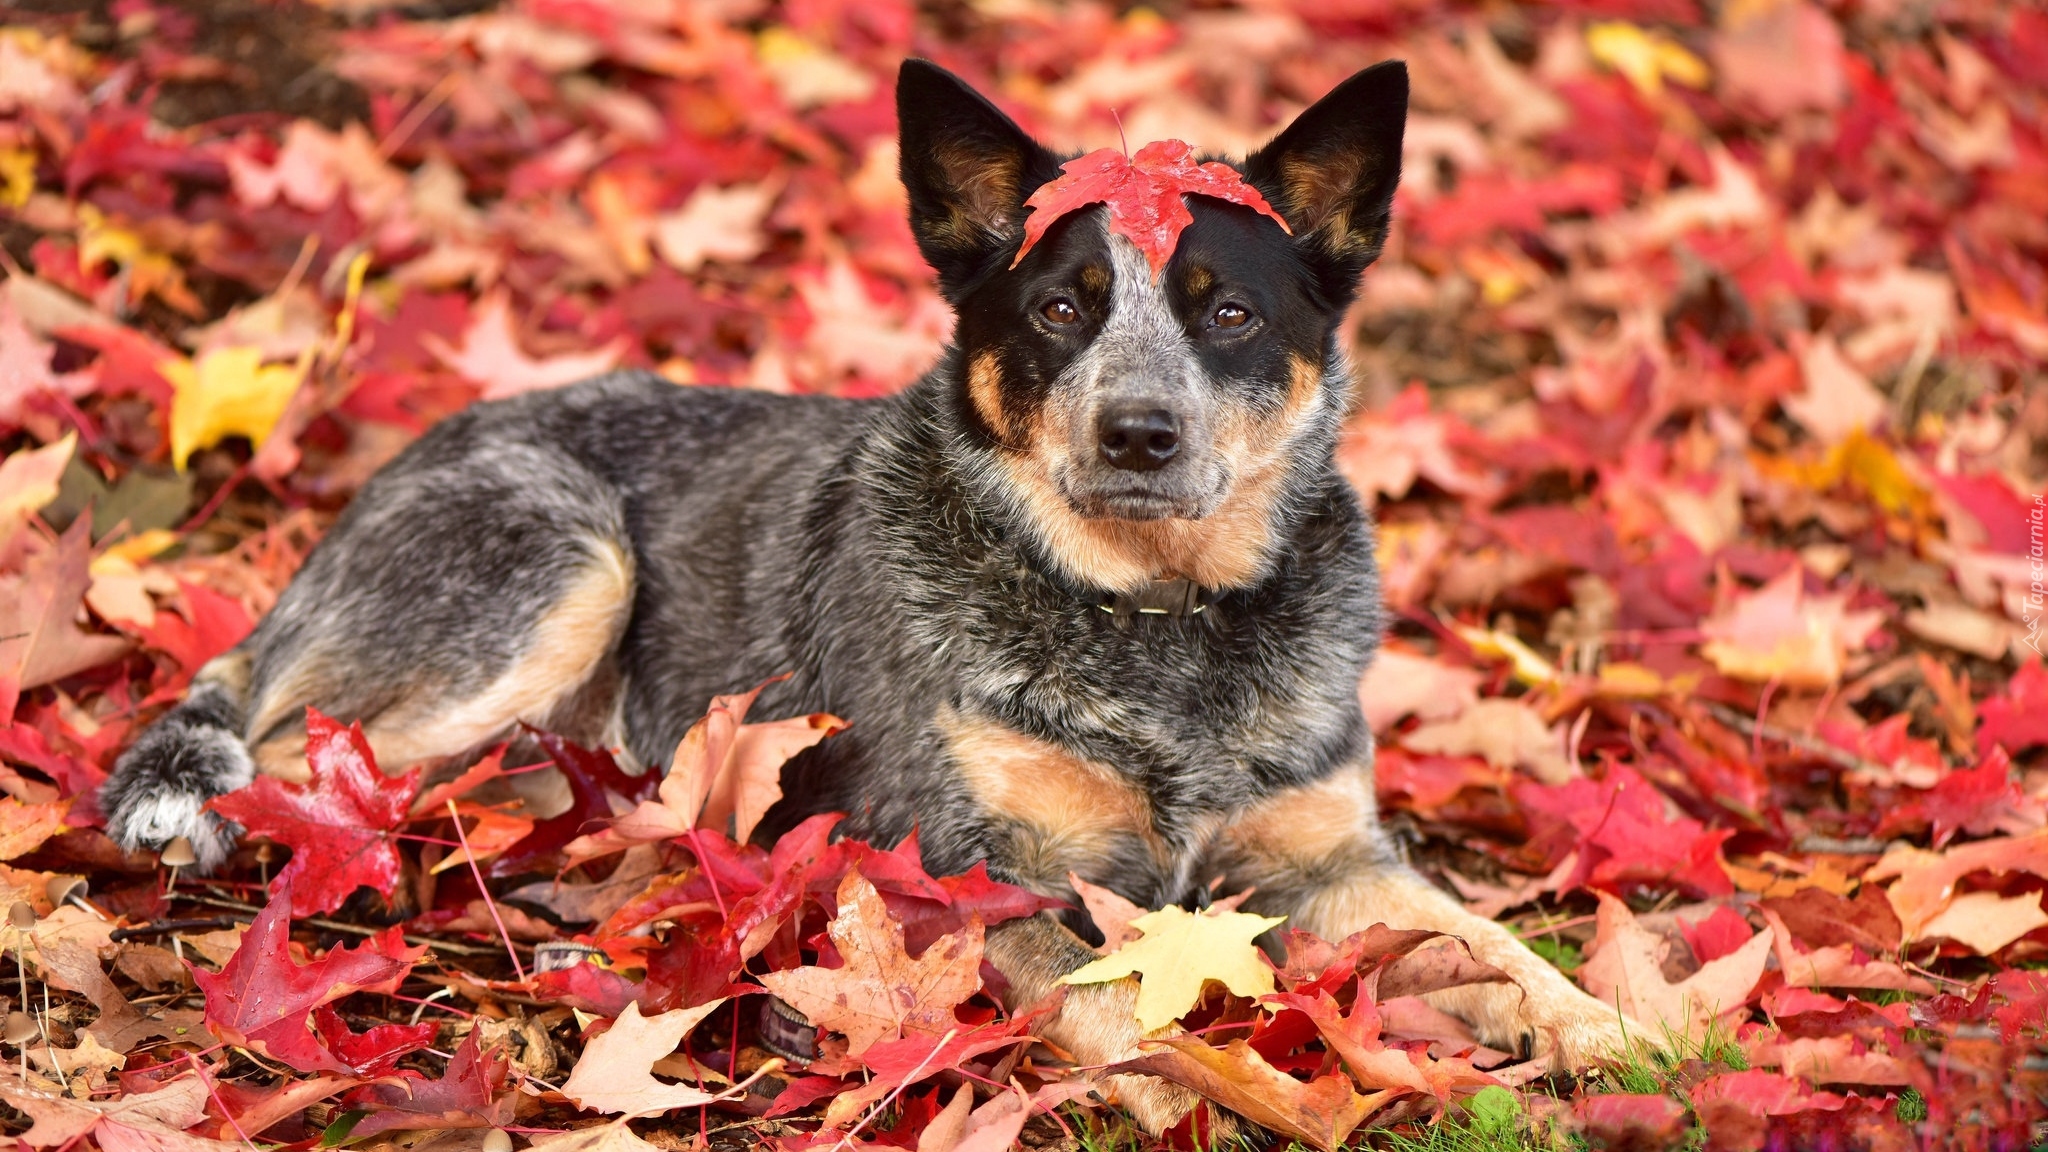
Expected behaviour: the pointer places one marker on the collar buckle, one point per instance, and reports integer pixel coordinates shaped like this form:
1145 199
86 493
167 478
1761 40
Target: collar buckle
1159 598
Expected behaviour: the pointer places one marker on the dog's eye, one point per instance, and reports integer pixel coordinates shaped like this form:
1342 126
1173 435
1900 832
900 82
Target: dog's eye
1230 316
1060 311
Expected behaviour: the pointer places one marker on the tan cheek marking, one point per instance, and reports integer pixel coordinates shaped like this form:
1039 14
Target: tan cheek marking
985 391
1074 811
1229 548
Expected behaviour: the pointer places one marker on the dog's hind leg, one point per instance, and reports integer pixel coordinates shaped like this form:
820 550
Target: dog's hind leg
473 585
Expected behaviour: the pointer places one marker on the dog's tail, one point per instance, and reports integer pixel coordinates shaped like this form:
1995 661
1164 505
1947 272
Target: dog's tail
194 752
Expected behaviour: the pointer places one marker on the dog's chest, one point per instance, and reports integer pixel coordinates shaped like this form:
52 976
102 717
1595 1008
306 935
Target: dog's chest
1049 811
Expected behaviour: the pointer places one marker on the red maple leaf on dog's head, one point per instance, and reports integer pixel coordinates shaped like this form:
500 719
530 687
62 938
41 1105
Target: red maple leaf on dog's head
1143 194
338 826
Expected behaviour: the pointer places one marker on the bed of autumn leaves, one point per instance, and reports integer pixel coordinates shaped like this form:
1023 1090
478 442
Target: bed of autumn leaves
1701 403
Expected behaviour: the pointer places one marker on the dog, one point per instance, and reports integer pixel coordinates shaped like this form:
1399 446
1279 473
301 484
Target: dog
1092 591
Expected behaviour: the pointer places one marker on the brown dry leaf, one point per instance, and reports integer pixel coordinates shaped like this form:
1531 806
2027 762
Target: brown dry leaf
1986 921
993 1127
1507 732
583 903
91 1059
1321 1112
615 1071
1625 966
151 1122
1112 913
40 640
1400 683
612 1137
881 992
1963 628
1835 966
1830 1060
1926 880
725 775
24 827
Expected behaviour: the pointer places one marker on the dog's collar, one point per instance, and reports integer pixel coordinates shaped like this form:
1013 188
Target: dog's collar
1159 598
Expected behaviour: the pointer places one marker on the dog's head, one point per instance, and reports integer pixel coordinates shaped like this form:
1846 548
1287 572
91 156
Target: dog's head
1150 426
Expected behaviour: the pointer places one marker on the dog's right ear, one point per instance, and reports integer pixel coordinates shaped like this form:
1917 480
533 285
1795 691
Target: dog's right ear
967 168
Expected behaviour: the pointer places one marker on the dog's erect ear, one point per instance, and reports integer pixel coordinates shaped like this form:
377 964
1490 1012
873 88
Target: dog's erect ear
1332 173
968 169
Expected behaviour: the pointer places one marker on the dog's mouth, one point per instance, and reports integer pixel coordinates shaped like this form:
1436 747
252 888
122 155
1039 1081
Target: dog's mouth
1135 502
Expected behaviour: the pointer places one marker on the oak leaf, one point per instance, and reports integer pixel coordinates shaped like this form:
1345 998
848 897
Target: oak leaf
339 826
879 991
1143 194
1179 953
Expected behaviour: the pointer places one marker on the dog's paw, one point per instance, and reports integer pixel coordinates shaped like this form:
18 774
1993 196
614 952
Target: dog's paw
1543 1017
1098 1025
159 789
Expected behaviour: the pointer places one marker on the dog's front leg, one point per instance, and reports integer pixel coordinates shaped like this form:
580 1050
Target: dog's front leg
1097 1024
1316 854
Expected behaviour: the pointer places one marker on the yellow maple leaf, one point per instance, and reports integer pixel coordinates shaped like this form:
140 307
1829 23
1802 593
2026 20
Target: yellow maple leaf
1646 59
150 272
1180 952
17 176
226 392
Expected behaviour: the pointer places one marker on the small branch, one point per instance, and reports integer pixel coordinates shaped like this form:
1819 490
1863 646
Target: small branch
1810 745
166 927
449 946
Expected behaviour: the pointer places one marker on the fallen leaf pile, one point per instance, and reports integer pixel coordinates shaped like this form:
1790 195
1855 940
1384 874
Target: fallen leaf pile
1700 401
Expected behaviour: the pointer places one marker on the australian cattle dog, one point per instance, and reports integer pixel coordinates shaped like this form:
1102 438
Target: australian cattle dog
1092 591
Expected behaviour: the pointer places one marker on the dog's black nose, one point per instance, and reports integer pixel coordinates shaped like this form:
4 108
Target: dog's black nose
1138 439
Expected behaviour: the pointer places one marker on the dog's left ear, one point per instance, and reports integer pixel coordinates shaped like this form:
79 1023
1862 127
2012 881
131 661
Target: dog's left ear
1332 173
968 169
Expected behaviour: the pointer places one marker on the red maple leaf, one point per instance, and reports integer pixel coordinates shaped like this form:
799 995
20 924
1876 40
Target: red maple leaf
262 999
338 826
468 1096
591 773
2018 718
1966 800
1143 194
